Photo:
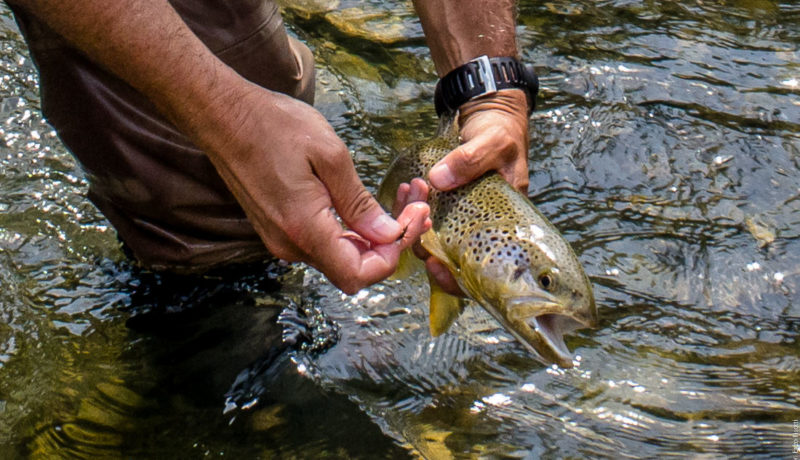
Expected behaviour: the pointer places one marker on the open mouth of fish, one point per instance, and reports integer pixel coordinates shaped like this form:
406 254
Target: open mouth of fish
550 329
540 330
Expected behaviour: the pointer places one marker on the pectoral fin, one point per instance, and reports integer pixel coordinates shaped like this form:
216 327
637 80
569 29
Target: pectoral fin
408 265
444 309
430 241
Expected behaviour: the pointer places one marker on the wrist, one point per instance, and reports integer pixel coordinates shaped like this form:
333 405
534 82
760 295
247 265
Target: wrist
512 103
484 76
213 110
459 30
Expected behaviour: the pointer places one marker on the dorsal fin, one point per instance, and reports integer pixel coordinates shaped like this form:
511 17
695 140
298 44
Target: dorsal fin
448 127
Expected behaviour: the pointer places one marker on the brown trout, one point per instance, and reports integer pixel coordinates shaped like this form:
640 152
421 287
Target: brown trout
504 254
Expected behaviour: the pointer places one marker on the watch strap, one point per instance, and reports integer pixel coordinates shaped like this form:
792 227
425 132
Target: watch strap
482 76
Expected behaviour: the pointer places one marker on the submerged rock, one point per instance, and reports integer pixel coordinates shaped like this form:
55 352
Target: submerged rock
308 9
760 232
379 26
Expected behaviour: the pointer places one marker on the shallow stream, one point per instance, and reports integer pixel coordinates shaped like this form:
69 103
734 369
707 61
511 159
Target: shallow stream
666 147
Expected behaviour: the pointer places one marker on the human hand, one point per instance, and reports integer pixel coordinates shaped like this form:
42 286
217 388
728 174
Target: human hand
494 132
288 168
417 192
277 155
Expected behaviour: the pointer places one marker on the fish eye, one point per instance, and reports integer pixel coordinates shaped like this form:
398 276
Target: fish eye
546 280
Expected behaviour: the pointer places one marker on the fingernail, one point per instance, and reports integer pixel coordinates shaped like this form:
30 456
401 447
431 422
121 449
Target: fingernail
385 226
441 177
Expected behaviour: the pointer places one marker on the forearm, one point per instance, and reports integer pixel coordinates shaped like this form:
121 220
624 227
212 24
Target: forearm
460 30
148 45
278 156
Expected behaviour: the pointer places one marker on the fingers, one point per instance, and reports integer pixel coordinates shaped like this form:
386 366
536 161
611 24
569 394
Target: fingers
494 130
443 277
376 262
349 259
415 219
417 190
488 151
401 200
352 261
353 264
355 205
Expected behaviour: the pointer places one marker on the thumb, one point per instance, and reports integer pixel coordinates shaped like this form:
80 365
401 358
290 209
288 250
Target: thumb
469 161
359 210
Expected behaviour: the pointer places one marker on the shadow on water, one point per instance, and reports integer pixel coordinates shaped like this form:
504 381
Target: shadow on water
665 148
203 367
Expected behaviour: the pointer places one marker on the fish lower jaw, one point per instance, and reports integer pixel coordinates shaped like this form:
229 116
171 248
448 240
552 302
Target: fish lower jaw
544 336
551 327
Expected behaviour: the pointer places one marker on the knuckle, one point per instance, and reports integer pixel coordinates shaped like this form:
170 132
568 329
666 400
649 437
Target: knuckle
333 153
280 248
359 204
290 227
295 239
506 141
469 157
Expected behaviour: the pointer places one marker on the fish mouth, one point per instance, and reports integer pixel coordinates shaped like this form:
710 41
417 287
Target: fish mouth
550 329
540 327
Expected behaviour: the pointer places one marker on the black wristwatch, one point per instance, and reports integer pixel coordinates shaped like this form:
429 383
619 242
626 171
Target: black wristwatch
481 76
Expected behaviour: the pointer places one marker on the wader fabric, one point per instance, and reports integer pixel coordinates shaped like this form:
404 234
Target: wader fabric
161 193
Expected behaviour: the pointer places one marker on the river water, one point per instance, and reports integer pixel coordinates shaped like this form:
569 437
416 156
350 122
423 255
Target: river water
666 147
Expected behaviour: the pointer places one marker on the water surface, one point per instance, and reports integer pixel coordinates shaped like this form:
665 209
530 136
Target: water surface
666 149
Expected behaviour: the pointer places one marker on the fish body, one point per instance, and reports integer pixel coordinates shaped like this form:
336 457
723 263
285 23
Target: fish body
504 254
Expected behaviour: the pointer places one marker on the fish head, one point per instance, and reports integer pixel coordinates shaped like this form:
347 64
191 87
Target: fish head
530 280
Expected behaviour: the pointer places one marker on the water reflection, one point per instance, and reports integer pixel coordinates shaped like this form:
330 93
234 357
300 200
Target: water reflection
196 363
666 148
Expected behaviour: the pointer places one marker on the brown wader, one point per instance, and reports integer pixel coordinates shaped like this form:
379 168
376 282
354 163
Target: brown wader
161 193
